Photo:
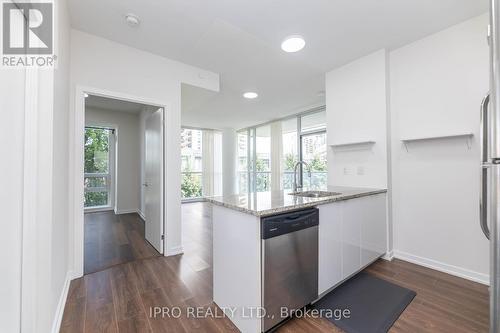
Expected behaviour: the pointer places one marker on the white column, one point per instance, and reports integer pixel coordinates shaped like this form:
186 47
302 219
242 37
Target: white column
276 156
218 158
208 162
229 162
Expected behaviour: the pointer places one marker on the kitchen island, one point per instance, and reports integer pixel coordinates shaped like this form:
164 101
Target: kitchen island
351 233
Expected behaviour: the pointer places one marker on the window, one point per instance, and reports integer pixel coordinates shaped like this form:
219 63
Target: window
290 151
313 122
263 158
243 161
191 163
313 149
303 137
201 163
97 167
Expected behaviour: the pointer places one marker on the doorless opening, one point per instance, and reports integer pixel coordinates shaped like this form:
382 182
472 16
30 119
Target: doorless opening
123 181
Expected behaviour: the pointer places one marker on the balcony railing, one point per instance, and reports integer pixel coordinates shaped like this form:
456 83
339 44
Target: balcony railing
97 188
318 180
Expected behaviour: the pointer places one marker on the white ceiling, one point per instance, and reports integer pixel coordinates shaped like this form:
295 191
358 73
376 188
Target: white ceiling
105 103
241 41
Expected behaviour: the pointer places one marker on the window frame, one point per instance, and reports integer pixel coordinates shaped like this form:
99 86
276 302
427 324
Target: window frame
201 171
197 198
251 140
301 157
110 175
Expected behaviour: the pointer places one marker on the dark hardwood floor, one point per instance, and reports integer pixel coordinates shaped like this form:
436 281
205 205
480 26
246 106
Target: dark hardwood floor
112 239
120 298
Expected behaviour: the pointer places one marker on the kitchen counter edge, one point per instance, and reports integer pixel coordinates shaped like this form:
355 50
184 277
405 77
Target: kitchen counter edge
272 211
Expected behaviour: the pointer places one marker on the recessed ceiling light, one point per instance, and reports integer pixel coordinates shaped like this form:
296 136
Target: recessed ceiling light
250 95
85 95
293 43
132 20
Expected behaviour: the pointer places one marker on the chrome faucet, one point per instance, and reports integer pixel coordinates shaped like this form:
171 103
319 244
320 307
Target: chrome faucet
295 187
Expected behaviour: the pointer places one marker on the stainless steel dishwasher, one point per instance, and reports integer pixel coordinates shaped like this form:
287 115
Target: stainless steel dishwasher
289 263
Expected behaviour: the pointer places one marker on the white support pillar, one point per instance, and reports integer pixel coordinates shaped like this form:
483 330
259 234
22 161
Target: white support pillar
229 161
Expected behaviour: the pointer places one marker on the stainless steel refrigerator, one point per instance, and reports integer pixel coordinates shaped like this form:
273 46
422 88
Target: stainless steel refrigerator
490 168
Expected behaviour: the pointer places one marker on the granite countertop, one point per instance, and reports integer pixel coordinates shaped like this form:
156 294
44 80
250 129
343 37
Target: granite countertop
269 203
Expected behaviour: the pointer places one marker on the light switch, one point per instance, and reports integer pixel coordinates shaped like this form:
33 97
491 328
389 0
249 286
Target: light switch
361 170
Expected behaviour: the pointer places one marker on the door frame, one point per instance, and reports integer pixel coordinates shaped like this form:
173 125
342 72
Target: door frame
77 166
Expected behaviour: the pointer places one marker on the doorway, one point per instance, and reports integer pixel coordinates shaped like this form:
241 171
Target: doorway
123 182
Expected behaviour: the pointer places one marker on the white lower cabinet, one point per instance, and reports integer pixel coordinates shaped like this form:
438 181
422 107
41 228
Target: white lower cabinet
352 234
330 246
373 228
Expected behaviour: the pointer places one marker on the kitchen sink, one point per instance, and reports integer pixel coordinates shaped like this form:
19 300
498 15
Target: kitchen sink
315 194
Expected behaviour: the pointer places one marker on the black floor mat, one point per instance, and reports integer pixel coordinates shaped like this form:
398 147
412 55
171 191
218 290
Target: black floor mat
374 304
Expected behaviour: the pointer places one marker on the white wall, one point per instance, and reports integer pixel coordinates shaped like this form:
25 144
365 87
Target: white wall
58 271
357 111
437 84
128 155
108 66
34 106
434 87
11 201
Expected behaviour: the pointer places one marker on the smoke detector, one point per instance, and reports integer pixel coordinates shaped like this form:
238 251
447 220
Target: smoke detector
132 20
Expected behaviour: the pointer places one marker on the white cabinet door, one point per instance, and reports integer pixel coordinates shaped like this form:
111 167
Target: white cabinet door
373 227
330 246
351 236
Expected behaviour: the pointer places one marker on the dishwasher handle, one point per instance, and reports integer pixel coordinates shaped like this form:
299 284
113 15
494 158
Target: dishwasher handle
276 225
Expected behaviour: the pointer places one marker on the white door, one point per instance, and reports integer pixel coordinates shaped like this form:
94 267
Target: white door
153 185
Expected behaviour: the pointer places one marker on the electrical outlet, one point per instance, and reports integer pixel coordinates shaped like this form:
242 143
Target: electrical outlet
346 171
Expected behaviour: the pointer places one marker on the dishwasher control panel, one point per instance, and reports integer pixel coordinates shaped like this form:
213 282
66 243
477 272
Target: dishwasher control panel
276 225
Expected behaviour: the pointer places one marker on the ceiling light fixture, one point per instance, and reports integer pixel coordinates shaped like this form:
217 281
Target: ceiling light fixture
250 95
132 20
293 43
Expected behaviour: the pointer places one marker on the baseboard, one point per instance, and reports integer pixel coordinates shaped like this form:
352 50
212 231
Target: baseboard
388 256
98 209
126 211
56 325
141 214
442 267
174 251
